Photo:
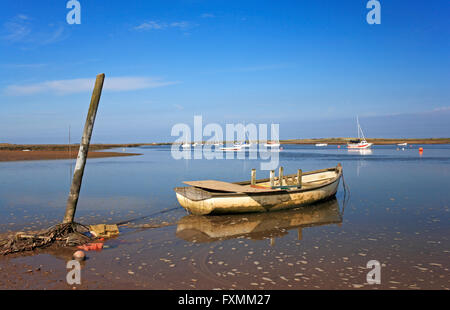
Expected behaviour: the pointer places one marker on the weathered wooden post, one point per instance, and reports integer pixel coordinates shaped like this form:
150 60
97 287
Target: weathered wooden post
272 178
72 200
299 177
280 175
253 180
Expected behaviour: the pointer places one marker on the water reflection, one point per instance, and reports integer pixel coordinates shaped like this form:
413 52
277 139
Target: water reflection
360 152
258 226
361 163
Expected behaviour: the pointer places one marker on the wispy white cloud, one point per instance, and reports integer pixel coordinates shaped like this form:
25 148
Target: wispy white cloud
62 87
154 25
178 107
17 28
23 17
257 68
151 25
20 29
208 15
181 25
406 113
441 109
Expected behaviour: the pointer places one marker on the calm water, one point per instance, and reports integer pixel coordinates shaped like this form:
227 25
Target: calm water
397 213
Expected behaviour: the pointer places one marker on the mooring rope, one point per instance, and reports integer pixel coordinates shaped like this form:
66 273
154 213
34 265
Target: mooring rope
346 193
147 216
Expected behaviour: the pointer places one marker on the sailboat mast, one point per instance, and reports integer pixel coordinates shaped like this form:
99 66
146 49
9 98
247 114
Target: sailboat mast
362 133
359 128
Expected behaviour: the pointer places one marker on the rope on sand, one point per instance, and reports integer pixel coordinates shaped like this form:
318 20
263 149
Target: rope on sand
146 216
68 234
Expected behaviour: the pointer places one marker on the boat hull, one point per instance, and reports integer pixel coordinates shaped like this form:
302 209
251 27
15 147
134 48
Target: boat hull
359 146
227 203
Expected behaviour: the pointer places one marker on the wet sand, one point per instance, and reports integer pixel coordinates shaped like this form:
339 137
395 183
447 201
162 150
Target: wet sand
152 260
330 256
20 155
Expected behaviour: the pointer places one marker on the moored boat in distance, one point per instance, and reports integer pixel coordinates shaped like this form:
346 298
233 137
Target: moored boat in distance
233 148
321 144
272 144
242 145
402 144
361 142
216 197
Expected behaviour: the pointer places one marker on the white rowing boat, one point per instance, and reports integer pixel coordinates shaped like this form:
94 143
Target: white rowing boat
216 197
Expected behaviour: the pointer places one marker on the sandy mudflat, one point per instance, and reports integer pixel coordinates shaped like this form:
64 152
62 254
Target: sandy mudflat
19 155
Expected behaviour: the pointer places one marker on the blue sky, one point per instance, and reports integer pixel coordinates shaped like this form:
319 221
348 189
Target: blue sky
310 66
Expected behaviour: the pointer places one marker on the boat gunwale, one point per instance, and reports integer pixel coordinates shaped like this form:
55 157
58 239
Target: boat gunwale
217 194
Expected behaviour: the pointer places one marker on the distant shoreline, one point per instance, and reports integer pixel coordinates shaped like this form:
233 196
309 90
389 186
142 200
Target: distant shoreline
6 155
98 146
27 152
376 141
65 147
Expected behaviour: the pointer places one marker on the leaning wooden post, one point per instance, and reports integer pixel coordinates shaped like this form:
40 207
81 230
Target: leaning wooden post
253 181
72 200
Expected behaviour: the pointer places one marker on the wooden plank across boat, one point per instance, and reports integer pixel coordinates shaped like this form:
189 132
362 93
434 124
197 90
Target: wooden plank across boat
217 197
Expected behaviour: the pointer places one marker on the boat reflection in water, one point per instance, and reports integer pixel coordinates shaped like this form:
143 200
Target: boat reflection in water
258 226
361 152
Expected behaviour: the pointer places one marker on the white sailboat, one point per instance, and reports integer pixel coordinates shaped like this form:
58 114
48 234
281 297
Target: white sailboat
233 148
361 143
243 144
